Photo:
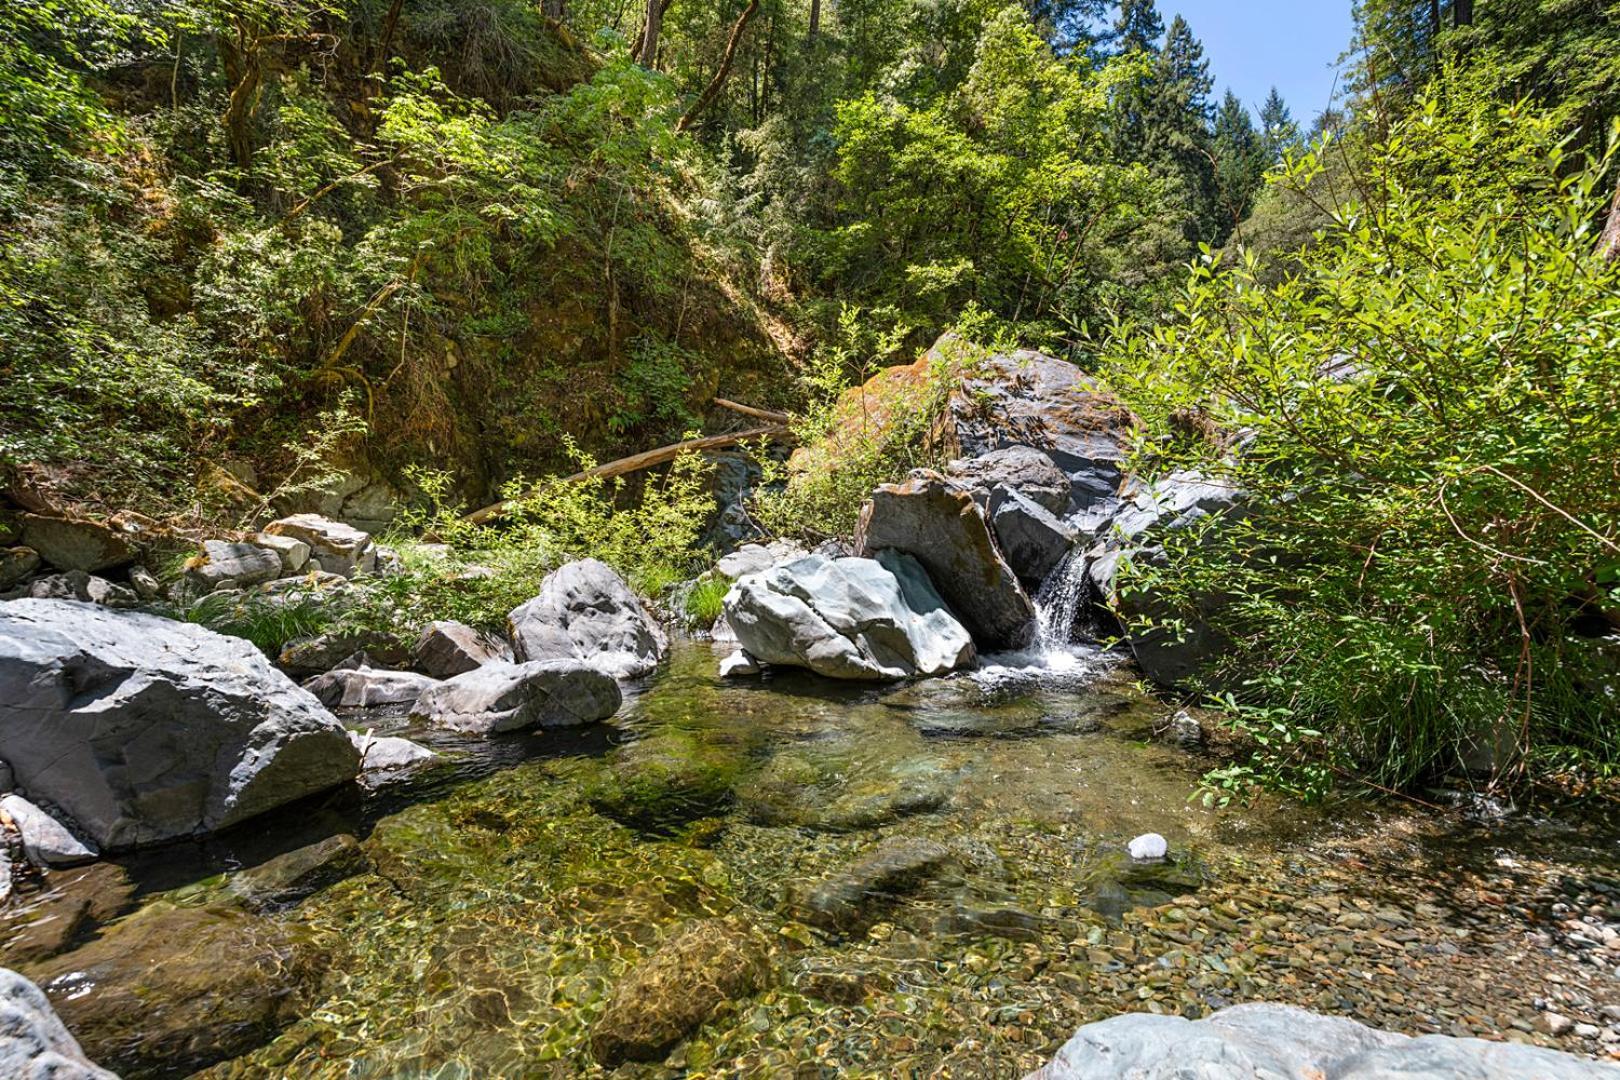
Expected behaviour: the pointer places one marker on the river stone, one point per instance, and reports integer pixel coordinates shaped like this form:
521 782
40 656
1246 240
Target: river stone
857 895
333 546
1031 539
83 587
34 1044
848 618
144 729
145 583
447 648
69 544
1148 846
938 524
1014 468
293 875
366 687
1265 1040
586 612
46 841
171 990
381 754
757 558
738 664
293 552
500 697
670 994
224 565
16 564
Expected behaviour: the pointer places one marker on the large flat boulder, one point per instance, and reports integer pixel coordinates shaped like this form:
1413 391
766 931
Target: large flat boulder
585 612
501 697
938 523
848 618
223 565
1255 1040
144 729
34 1044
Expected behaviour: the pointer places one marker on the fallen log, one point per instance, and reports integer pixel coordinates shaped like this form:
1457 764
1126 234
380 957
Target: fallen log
758 414
645 460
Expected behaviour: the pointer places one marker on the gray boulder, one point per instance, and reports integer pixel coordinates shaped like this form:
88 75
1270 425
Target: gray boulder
225 565
86 588
1177 501
447 648
365 687
384 754
848 618
938 523
1265 1040
70 544
755 558
1016 468
16 564
500 697
1031 539
293 552
586 612
333 546
144 729
46 841
34 1043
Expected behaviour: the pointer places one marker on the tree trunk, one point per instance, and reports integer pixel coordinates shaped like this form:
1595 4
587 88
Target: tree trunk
712 91
647 44
1609 243
1462 13
1434 18
239 110
553 10
815 22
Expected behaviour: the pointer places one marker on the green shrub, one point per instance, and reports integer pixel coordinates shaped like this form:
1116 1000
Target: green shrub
1427 412
703 603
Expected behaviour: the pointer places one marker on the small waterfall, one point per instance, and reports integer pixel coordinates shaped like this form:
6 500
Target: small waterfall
1058 603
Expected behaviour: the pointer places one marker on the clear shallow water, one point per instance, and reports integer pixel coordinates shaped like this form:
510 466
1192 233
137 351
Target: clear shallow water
508 891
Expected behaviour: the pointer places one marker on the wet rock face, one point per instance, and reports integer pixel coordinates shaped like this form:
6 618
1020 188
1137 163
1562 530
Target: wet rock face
938 523
848 619
34 1044
1279 1040
144 729
500 697
670 994
172 989
858 895
586 612
1031 538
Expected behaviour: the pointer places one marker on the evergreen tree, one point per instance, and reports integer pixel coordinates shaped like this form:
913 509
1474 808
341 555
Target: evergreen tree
1178 136
1137 27
1278 132
1240 160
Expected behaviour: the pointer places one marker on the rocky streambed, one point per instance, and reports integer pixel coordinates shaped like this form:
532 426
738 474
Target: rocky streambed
790 876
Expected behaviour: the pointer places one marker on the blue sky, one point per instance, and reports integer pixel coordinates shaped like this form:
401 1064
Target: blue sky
1253 44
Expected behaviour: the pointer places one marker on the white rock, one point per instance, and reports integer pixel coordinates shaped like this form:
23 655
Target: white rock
1149 846
500 697
293 552
738 664
367 687
586 612
45 840
333 546
389 753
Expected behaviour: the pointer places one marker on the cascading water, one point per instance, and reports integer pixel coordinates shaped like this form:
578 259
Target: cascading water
1058 601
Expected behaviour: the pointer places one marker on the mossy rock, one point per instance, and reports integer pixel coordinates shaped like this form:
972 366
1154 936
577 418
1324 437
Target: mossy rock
669 778
675 990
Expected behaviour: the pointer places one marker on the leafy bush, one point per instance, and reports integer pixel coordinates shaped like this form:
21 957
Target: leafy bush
1425 416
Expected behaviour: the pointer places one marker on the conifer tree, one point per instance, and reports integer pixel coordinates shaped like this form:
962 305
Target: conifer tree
1278 132
1240 160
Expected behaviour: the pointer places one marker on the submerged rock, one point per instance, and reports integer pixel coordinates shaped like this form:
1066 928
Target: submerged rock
669 778
293 875
1279 1040
858 895
671 993
447 648
585 612
500 697
848 619
144 729
938 523
34 1044
170 990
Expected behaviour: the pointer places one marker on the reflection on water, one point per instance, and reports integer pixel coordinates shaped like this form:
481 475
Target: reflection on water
505 892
